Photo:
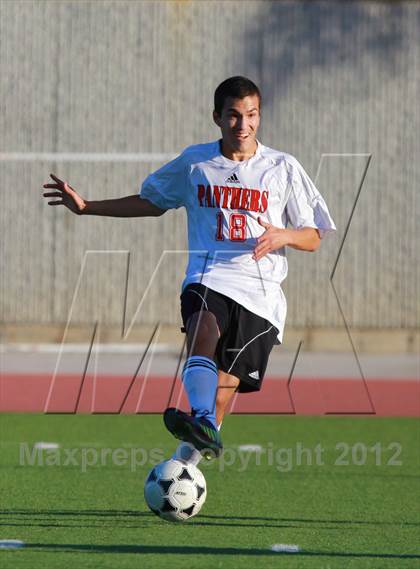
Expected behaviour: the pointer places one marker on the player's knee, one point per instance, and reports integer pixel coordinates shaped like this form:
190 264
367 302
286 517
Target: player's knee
226 389
203 333
223 397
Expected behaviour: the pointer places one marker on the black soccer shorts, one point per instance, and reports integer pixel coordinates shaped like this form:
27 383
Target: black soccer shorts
246 339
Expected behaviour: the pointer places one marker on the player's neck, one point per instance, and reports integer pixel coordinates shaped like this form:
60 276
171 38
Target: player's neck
237 155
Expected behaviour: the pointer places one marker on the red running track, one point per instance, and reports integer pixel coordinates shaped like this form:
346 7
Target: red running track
111 394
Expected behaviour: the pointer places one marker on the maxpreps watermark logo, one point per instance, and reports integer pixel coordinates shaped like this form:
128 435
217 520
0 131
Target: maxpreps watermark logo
86 457
236 458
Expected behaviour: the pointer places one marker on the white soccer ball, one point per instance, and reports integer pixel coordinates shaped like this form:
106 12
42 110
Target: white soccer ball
175 490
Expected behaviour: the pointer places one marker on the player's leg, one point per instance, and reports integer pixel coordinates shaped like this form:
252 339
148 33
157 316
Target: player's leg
227 385
200 381
200 374
202 334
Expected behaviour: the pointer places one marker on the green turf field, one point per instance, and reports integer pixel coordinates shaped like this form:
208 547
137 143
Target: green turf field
355 506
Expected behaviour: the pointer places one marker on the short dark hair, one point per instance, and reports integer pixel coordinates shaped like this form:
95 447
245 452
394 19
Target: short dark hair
237 87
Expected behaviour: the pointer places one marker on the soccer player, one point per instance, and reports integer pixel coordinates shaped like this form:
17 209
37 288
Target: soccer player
245 204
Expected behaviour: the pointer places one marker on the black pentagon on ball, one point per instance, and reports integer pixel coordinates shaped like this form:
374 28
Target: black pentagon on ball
185 475
165 484
152 476
189 510
167 507
200 491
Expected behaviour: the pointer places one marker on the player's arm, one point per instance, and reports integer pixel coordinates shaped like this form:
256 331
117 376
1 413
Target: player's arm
129 206
304 239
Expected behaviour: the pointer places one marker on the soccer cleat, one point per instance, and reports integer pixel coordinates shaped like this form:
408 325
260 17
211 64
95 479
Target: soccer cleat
195 430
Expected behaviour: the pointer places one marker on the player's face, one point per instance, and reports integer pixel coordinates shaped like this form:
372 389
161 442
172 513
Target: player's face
239 123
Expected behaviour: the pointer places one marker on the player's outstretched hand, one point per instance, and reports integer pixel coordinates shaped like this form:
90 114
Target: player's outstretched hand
272 239
69 197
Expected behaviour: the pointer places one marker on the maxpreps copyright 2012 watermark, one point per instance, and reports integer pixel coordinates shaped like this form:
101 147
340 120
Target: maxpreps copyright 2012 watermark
284 459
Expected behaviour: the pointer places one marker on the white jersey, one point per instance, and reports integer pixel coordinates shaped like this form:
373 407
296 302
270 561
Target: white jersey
224 199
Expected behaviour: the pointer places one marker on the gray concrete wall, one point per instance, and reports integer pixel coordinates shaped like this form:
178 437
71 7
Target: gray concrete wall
118 77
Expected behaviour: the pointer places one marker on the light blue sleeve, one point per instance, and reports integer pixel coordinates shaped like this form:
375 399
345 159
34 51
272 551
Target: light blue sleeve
305 206
167 187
